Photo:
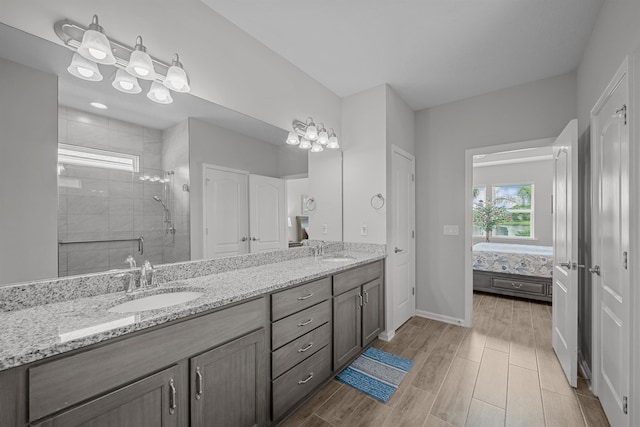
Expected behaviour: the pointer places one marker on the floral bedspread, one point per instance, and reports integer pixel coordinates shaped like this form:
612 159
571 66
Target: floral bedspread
527 260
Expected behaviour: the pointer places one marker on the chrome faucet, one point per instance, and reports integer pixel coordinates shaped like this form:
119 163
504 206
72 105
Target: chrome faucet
130 261
144 272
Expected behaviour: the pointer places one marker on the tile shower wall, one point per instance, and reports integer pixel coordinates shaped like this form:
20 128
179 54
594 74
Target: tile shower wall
101 204
175 158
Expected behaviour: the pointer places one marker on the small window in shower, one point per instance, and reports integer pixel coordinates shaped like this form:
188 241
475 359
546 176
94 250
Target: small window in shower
83 156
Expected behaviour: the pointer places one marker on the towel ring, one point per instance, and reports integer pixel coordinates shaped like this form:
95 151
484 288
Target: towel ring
377 205
311 204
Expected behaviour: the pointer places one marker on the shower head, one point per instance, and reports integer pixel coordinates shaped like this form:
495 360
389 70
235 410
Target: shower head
159 200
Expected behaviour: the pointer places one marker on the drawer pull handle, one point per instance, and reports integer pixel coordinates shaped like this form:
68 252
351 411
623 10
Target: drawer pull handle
303 349
305 323
516 285
305 297
199 383
172 397
306 380
366 297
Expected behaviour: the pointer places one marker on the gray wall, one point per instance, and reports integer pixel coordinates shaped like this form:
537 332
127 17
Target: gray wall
539 173
28 182
527 112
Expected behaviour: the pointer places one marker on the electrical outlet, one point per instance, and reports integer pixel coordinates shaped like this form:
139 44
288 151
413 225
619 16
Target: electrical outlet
325 229
364 230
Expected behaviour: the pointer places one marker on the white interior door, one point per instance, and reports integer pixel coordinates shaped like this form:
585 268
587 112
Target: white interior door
565 251
403 254
226 224
610 139
267 213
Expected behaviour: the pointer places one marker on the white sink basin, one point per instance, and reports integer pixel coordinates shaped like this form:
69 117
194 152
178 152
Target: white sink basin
154 302
338 258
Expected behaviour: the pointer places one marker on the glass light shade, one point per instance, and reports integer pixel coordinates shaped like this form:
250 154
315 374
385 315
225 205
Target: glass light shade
305 144
312 132
177 79
84 69
323 137
140 64
292 139
333 142
95 46
159 94
316 148
125 82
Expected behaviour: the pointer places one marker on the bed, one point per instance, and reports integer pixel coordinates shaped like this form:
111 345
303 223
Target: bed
511 269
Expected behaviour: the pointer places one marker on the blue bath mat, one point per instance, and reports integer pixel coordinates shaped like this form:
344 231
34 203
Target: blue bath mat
376 373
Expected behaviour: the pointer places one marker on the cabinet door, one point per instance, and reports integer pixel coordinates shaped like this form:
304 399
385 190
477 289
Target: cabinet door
372 311
150 402
347 327
229 384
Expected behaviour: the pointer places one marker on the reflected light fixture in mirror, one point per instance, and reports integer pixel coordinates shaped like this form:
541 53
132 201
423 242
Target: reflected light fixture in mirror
322 139
92 46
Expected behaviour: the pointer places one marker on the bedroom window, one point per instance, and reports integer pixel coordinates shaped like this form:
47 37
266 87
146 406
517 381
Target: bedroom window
479 197
518 199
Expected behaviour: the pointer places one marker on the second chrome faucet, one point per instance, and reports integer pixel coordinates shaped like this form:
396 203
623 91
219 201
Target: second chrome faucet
145 282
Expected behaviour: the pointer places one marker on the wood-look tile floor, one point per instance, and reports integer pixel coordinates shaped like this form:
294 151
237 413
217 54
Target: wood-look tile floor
501 372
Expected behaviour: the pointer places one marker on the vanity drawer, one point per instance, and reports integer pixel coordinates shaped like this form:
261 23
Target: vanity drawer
299 381
292 300
292 327
348 280
520 286
295 352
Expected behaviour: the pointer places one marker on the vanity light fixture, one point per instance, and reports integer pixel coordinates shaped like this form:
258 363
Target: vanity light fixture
305 144
159 94
95 45
91 47
84 69
140 64
323 138
125 82
292 139
177 79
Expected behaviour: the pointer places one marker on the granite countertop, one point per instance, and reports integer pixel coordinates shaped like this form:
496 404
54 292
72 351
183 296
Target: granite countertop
38 332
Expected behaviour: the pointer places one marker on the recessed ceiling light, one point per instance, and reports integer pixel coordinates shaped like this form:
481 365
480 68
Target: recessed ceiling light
98 105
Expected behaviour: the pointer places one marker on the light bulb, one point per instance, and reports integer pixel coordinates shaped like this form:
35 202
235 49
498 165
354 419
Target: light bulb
292 139
159 94
84 69
305 144
140 63
95 45
125 82
177 79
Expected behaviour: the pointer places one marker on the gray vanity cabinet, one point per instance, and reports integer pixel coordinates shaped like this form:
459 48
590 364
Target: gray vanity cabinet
228 384
358 311
150 402
347 333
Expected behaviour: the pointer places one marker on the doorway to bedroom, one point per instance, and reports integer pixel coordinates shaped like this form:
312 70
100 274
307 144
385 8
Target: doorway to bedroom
509 222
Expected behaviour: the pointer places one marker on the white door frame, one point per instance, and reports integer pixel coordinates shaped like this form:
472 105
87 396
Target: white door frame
389 331
468 211
629 67
206 166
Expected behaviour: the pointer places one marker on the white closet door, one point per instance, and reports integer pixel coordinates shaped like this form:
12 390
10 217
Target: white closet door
226 223
267 213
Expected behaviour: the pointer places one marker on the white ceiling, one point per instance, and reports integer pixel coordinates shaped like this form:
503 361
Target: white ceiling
429 51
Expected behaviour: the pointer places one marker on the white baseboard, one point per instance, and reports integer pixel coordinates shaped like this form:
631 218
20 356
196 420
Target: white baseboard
387 336
440 317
